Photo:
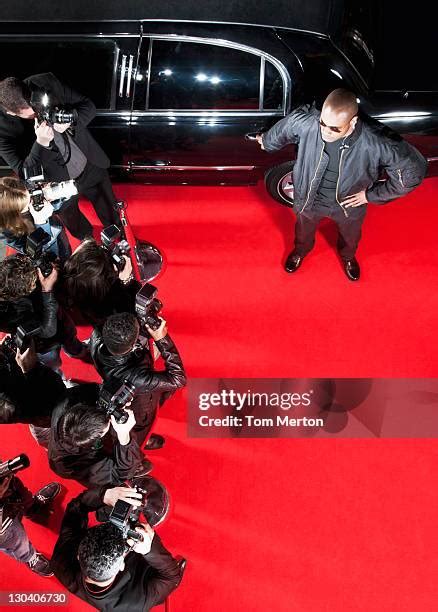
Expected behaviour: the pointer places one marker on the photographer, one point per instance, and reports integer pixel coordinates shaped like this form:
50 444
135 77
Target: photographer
99 566
65 151
23 304
29 391
17 220
17 501
91 284
118 356
77 448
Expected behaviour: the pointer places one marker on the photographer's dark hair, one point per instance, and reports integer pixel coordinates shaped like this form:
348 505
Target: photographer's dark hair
81 425
18 277
120 332
88 275
14 94
101 552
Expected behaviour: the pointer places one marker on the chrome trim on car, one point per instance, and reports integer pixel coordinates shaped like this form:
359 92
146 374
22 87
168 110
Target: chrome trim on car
129 76
432 159
122 76
219 168
287 84
262 82
190 113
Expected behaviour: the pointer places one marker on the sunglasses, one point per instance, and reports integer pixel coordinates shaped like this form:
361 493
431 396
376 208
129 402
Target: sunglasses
335 129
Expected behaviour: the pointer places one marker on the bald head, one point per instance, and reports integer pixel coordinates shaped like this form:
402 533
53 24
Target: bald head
338 115
342 101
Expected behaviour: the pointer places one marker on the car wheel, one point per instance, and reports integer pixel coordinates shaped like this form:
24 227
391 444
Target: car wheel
279 183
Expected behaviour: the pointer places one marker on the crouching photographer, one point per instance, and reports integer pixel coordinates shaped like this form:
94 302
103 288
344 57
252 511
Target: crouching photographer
28 308
106 569
119 356
17 501
25 208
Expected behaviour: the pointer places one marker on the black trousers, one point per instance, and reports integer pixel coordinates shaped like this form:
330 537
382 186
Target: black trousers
349 228
95 185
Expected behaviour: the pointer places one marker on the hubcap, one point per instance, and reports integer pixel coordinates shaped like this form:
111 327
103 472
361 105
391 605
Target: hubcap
286 188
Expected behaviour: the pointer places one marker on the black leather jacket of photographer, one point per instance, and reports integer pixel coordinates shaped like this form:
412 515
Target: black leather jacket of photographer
15 503
145 582
152 388
39 309
365 153
31 397
99 464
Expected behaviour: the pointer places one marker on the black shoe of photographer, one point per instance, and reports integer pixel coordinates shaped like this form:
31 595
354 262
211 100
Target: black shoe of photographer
352 269
154 443
41 508
293 262
144 468
40 565
182 563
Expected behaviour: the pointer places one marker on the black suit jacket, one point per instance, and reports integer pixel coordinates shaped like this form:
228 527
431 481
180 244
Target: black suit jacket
145 582
18 146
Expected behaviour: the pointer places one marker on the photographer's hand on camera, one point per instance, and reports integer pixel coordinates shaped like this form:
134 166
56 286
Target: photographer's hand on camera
123 429
48 282
28 359
160 333
142 547
126 275
126 494
44 133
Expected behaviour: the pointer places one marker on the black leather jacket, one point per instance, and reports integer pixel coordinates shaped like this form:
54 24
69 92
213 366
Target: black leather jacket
152 388
368 151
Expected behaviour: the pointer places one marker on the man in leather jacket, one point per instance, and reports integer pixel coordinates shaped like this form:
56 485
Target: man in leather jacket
118 356
340 159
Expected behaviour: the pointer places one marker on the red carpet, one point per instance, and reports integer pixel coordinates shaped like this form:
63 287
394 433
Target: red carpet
306 525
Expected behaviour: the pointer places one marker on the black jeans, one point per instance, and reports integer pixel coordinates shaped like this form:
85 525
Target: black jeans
350 228
95 185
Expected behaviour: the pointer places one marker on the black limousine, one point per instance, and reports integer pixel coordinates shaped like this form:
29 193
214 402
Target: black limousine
180 101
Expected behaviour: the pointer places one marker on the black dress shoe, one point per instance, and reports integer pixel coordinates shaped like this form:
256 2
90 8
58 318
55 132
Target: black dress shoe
155 442
352 269
293 262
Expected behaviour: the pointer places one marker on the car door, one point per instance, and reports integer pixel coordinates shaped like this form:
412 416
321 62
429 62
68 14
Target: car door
195 101
100 65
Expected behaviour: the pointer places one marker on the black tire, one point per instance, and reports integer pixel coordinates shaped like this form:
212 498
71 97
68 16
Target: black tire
277 180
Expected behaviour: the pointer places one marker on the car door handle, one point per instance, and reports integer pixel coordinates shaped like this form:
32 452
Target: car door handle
252 135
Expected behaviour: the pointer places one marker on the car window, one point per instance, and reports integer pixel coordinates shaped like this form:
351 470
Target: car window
84 64
273 88
186 75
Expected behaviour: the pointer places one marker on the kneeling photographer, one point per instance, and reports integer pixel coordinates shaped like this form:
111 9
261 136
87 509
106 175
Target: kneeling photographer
119 356
23 210
104 567
28 308
17 501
